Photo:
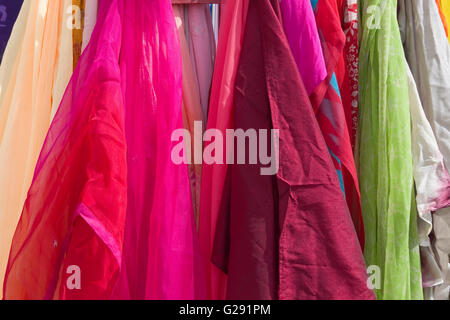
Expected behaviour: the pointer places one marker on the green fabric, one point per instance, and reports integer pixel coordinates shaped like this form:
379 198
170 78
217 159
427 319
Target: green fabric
383 153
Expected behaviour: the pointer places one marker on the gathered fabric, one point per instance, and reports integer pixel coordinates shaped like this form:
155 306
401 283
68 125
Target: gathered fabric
384 157
330 112
429 60
347 69
202 49
233 21
192 109
301 31
34 73
105 193
267 221
90 19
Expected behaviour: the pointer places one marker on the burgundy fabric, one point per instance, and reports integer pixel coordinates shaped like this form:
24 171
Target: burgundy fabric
288 236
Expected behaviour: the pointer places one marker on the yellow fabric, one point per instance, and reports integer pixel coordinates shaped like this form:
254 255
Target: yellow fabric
33 76
445 6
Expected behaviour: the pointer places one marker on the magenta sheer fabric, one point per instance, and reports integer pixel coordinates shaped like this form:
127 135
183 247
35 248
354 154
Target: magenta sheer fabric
301 32
161 258
106 196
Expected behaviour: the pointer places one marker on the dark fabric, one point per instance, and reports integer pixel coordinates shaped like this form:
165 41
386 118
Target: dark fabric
288 236
9 10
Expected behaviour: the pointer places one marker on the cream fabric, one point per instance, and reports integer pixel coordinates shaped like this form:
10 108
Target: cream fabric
428 54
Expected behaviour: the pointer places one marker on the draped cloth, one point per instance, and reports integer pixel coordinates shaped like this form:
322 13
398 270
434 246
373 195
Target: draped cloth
443 18
432 184
202 47
301 31
161 257
77 12
428 55
347 70
445 8
99 199
9 10
234 14
36 67
192 108
383 154
275 238
90 19
330 112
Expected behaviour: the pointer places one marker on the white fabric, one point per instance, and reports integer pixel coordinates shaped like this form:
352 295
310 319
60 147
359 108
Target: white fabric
90 19
428 54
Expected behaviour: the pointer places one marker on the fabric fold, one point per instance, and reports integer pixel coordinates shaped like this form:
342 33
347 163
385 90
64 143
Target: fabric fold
384 156
233 20
275 238
36 57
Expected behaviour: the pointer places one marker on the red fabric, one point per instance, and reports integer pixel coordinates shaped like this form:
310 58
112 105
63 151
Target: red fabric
332 117
288 236
326 22
347 69
75 210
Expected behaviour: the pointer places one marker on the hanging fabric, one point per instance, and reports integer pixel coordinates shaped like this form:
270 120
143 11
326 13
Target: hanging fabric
161 257
347 69
383 154
118 208
301 31
443 19
77 11
32 78
266 221
9 10
192 108
90 19
330 111
445 8
75 210
202 49
431 180
428 55
233 19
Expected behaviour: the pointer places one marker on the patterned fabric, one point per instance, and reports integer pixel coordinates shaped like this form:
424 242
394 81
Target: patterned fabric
384 156
348 75
330 113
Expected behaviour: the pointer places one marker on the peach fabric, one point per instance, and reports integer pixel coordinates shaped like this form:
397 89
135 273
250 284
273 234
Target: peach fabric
32 76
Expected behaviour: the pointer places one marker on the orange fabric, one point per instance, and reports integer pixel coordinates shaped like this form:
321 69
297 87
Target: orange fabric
441 13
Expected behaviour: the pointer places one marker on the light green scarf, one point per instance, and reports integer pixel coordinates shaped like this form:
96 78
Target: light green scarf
383 155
